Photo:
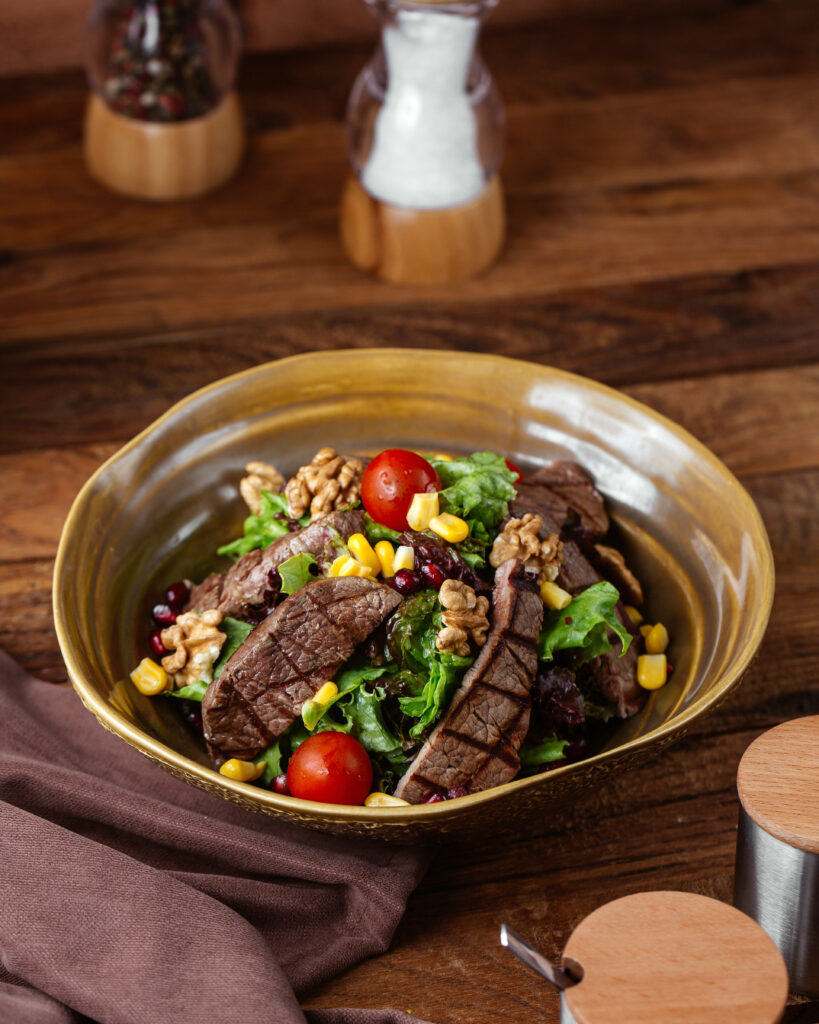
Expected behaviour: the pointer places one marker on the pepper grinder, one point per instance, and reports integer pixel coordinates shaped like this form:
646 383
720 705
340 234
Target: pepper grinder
777 866
163 120
666 958
424 203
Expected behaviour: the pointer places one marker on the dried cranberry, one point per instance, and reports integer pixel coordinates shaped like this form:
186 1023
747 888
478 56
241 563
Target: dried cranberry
176 596
159 649
163 615
455 791
433 798
279 785
432 575
406 582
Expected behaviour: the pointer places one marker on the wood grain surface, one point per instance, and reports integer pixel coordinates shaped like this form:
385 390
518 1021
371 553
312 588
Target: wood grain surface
662 177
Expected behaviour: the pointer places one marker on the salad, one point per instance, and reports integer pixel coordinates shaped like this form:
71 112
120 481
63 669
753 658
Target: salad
407 629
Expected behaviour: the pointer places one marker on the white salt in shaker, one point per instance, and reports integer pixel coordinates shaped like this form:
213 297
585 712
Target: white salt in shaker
777 867
425 124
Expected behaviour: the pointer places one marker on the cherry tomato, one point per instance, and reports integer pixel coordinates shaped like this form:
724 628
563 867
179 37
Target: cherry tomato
331 767
389 483
515 469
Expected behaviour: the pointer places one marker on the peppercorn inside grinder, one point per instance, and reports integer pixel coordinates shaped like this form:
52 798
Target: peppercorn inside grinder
424 203
777 865
163 120
665 958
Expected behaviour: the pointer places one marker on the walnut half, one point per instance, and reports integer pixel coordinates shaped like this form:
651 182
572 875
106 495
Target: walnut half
465 616
520 538
196 644
261 477
329 482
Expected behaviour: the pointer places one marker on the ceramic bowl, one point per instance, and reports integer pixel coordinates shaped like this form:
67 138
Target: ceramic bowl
158 509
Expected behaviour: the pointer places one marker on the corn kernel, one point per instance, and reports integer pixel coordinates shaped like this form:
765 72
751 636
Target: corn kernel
241 771
645 629
634 614
440 457
657 639
361 549
325 693
352 567
337 564
652 671
404 558
451 528
554 596
150 678
384 800
424 507
385 553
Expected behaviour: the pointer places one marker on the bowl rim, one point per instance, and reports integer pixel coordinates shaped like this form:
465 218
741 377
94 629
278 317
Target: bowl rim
293 807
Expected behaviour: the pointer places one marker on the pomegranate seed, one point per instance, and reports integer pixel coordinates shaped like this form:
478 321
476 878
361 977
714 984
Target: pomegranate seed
433 575
455 792
433 798
194 720
163 615
406 581
279 785
176 596
156 644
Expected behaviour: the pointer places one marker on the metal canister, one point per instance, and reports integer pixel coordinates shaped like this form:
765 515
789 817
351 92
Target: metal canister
777 863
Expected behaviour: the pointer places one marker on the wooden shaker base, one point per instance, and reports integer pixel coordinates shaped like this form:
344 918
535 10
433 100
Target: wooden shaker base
163 161
406 246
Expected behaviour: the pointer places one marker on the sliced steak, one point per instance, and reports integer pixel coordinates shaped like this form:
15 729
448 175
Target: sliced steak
475 746
249 588
613 566
571 486
285 660
616 677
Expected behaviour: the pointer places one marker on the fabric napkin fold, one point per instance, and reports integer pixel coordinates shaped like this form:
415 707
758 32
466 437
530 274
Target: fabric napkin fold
128 896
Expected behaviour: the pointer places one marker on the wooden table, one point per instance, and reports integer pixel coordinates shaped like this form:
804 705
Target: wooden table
664 238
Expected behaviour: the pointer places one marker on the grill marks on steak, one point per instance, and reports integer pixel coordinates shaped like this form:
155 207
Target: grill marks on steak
250 587
287 658
476 744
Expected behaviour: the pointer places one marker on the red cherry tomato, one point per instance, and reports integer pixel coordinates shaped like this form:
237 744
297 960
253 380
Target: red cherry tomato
331 767
515 469
389 483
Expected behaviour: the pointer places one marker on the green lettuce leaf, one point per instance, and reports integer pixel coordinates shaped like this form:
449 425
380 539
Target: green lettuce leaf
583 624
533 755
272 757
362 711
237 632
348 680
377 531
193 691
477 488
262 529
295 572
445 673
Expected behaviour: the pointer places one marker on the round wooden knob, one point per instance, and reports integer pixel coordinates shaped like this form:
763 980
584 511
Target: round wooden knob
778 783
673 958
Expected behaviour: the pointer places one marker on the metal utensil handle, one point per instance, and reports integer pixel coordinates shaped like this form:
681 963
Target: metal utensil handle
523 951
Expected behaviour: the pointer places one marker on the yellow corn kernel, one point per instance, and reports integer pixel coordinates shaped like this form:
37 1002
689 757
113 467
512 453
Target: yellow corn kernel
440 457
645 629
652 671
554 596
325 693
337 564
241 771
634 614
657 639
352 567
385 553
150 678
451 528
361 549
424 507
384 800
404 558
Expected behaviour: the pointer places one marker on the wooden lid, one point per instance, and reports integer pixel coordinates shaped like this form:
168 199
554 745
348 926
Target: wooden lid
674 958
778 782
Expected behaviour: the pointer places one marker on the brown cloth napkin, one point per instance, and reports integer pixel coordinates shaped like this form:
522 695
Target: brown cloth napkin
129 897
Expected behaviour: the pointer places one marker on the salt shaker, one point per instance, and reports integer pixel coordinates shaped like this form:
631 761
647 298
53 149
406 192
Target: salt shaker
163 119
670 958
777 865
424 203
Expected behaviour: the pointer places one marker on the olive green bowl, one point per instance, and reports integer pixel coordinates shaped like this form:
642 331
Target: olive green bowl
158 509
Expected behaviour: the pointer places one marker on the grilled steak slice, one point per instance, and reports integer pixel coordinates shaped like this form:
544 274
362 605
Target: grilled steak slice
476 744
285 660
616 677
250 587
